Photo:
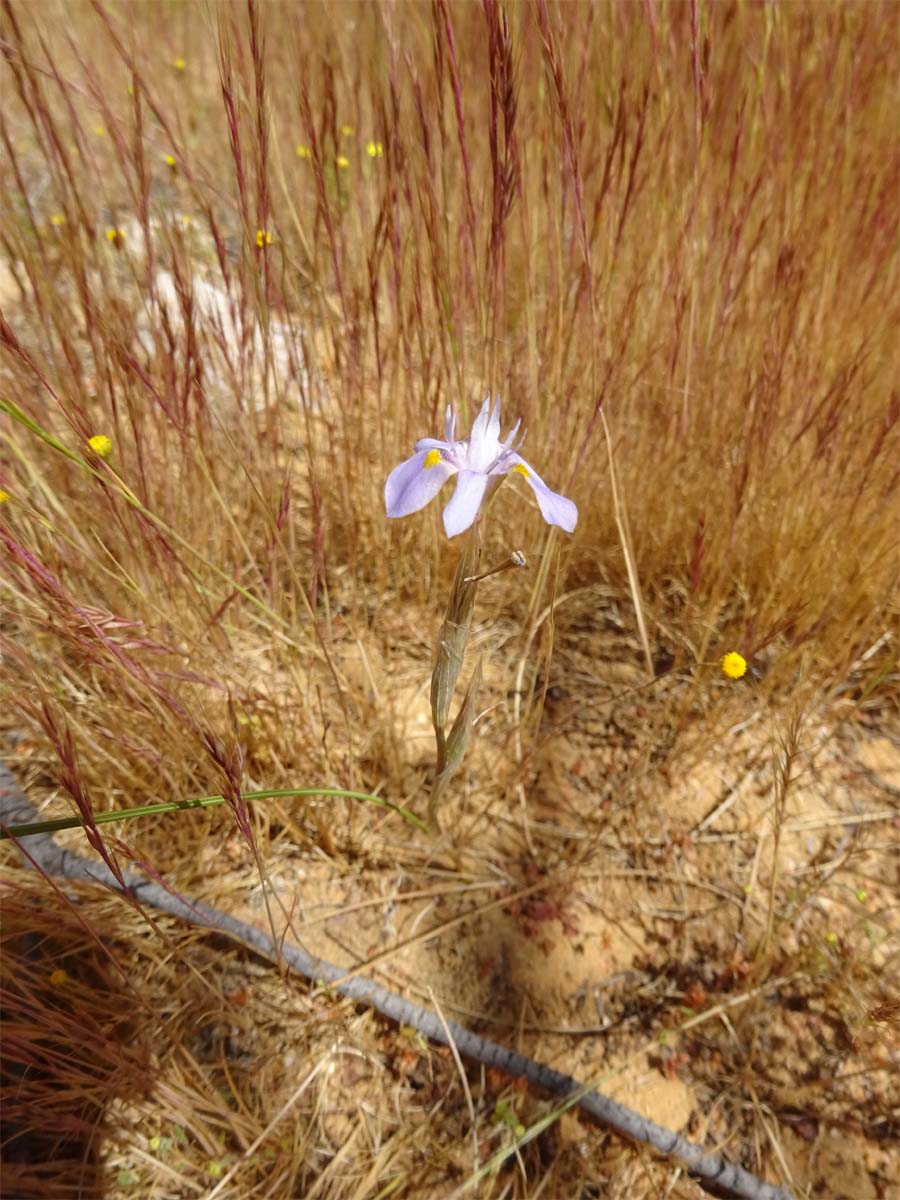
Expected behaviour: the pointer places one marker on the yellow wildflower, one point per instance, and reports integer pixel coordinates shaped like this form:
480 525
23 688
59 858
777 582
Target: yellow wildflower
101 445
734 665
263 238
346 130
4 496
304 152
115 236
169 160
186 221
343 162
57 219
100 131
375 150
179 63
59 977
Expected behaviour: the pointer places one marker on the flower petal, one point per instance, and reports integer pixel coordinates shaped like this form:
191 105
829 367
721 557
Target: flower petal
410 486
484 440
555 509
511 436
482 421
465 502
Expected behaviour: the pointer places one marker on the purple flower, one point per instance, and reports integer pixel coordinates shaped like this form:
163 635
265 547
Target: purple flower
475 459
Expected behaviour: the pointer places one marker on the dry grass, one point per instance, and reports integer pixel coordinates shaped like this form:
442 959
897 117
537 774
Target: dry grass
677 223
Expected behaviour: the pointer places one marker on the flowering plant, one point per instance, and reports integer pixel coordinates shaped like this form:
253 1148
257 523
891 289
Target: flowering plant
476 460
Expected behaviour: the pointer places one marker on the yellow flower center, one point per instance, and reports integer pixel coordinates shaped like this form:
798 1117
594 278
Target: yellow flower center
432 458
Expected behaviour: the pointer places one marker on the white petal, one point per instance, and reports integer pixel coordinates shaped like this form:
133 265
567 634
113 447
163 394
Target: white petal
465 502
410 486
555 509
484 440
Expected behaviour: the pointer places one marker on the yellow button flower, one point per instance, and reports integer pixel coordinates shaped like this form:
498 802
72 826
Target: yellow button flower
101 445
115 236
734 665
4 496
304 152
263 238
375 150
343 162
179 63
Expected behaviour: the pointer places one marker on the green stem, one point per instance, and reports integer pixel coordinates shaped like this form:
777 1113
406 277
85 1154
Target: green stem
150 810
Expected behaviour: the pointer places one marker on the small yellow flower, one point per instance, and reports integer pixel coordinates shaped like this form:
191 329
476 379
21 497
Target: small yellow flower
101 445
304 152
179 63
57 219
346 130
343 162
100 131
831 939
862 895
186 221
59 977
4 496
263 238
375 150
169 160
115 236
734 665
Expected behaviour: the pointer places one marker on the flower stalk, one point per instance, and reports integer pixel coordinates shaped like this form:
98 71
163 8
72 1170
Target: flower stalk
451 648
